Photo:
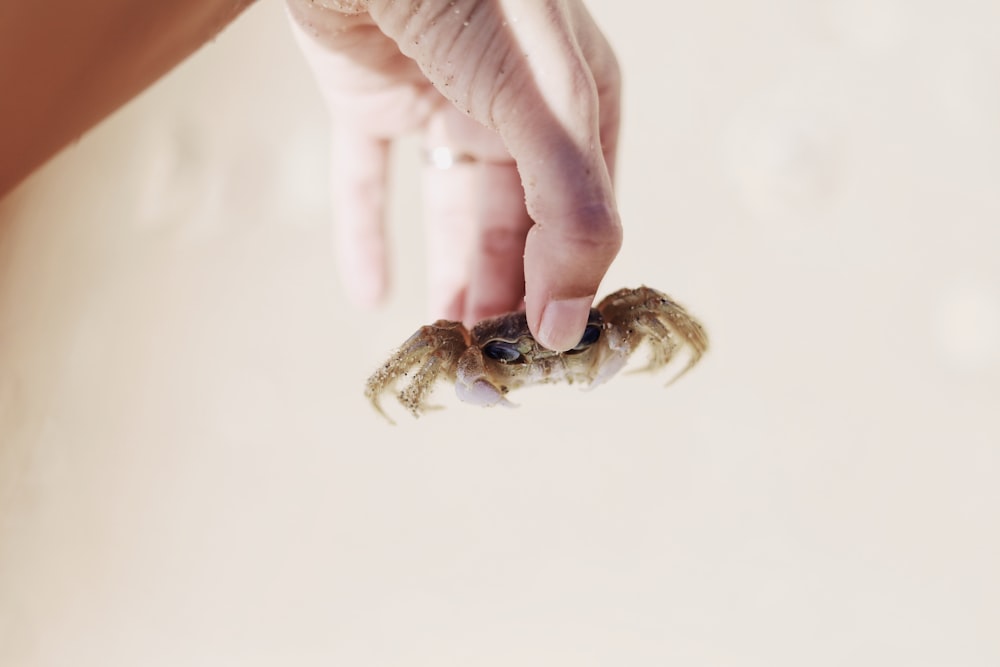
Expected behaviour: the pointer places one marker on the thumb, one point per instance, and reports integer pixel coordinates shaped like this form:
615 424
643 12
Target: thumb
552 124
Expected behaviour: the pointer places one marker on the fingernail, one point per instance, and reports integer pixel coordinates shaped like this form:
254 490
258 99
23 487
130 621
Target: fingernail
563 323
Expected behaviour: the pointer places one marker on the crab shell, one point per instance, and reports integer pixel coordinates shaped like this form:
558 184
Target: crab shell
503 355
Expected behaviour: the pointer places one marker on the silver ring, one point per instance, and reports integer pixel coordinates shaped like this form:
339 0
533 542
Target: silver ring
442 157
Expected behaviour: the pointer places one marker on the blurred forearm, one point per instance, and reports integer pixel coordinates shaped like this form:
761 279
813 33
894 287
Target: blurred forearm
65 65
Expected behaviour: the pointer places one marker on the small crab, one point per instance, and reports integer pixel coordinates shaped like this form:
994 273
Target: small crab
499 354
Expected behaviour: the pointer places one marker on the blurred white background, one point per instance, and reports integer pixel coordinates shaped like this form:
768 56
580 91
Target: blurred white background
189 473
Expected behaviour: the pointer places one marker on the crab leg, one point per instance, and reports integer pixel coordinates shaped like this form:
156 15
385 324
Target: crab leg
412 397
680 330
389 372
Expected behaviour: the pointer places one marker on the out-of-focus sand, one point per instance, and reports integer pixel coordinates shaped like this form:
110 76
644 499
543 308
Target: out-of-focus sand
190 475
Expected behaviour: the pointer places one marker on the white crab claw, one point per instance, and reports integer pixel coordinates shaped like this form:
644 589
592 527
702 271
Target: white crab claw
612 360
481 392
608 368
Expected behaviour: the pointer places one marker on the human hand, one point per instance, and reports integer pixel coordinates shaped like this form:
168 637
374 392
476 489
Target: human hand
522 97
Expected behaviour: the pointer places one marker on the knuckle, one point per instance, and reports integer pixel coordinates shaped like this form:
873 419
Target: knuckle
595 228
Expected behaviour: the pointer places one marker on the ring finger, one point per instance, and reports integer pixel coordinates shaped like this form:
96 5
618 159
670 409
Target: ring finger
476 220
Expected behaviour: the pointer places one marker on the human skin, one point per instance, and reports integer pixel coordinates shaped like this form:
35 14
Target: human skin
66 65
529 88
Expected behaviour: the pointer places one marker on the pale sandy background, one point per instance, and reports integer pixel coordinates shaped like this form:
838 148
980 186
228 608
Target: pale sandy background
189 474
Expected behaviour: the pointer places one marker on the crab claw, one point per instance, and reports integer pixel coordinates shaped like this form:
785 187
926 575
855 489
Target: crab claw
481 392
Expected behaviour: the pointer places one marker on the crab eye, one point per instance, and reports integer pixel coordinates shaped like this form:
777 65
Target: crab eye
590 336
503 351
